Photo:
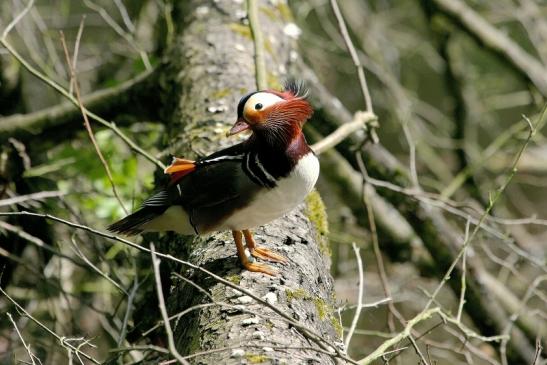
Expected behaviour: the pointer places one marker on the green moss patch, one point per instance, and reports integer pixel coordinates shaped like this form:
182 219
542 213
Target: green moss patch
241 29
317 214
322 308
256 359
222 93
236 279
296 294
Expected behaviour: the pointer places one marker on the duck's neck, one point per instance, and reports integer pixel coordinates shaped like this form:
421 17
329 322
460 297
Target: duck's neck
279 156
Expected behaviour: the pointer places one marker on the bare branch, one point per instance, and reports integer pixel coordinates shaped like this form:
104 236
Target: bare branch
74 81
125 16
30 197
354 56
17 19
27 347
310 334
64 341
163 309
258 39
381 350
75 52
487 34
361 120
492 201
464 273
95 268
74 101
120 31
359 296
29 125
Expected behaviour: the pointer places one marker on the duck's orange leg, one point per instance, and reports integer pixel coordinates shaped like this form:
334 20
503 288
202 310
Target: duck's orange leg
261 252
251 266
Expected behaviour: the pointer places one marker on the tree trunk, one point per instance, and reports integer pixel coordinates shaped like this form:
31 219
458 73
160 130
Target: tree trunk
209 68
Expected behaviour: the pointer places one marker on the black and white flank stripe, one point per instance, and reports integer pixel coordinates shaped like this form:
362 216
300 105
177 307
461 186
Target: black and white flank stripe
209 161
256 171
252 166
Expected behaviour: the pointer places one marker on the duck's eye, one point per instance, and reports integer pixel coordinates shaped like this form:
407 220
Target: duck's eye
258 106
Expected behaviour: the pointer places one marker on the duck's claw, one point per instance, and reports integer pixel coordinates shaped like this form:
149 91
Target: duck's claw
267 254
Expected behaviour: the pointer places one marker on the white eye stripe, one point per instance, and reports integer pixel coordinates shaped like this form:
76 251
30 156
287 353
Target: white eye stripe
264 98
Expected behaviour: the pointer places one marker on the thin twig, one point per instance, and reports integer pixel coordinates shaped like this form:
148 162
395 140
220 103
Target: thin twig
27 347
95 268
125 16
376 245
178 316
469 333
492 201
75 52
359 298
54 67
258 39
31 197
361 120
537 354
305 330
29 37
18 231
491 150
471 348
130 299
496 40
513 318
74 80
161 302
418 351
464 272
354 56
119 30
62 340
72 99
161 350
380 350
411 155
375 304
371 131
451 207
17 19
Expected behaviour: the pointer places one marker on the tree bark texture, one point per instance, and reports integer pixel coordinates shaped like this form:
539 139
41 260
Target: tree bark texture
209 68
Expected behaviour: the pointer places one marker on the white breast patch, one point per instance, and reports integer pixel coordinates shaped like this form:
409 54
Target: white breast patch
272 203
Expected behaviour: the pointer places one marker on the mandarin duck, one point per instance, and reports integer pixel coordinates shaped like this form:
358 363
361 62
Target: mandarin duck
241 187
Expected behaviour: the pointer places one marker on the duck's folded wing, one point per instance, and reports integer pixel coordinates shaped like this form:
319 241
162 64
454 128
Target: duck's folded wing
210 193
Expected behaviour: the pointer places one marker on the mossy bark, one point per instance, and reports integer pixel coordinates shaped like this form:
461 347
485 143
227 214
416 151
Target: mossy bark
209 67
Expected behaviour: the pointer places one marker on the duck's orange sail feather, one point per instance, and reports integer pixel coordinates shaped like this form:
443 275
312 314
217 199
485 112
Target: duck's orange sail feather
179 168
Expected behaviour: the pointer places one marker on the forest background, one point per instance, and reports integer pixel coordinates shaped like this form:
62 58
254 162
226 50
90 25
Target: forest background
427 240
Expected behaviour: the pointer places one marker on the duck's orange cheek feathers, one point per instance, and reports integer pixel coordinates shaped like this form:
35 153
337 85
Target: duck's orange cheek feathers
255 117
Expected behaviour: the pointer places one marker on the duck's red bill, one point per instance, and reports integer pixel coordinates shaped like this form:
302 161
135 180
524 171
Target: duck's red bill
238 127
